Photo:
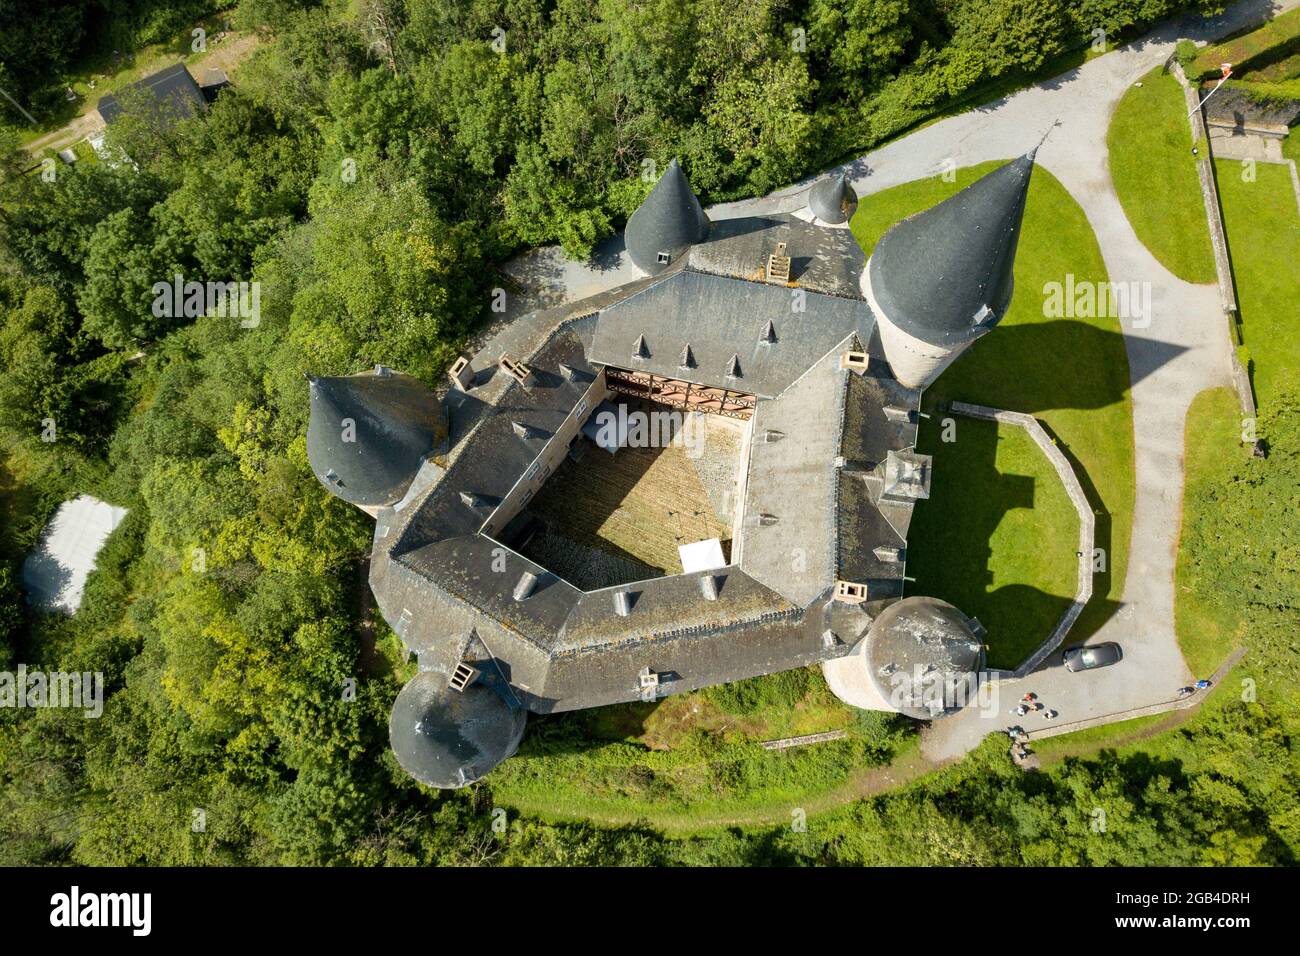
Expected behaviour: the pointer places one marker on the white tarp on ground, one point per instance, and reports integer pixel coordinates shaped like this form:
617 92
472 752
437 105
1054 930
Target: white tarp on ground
55 573
701 556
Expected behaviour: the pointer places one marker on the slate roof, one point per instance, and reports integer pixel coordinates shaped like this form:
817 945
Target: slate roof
822 260
396 421
867 523
832 199
669 221
788 538
718 317
944 275
446 738
174 90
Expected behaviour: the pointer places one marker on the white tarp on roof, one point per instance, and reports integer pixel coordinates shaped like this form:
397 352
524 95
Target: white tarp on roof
55 573
701 556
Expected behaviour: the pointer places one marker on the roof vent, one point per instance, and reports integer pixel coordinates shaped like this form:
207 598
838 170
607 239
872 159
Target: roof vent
473 500
462 676
520 429
569 372
639 350
829 639
733 367
332 477
520 372
767 520
772 435
769 334
983 317
850 592
525 586
383 371
895 414
688 357
778 266
461 374
889 555
622 603
709 587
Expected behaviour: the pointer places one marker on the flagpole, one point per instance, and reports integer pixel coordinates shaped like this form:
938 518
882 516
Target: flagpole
1227 72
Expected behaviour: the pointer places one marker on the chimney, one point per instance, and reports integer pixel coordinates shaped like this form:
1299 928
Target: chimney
855 361
520 372
778 266
850 592
462 676
461 374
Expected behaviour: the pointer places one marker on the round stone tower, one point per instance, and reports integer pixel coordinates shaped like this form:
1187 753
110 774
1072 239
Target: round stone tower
940 279
921 657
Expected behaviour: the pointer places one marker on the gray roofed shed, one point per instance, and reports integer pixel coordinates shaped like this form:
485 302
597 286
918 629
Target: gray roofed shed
173 90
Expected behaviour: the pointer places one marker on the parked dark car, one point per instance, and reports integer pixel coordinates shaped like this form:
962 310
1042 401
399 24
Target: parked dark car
1093 656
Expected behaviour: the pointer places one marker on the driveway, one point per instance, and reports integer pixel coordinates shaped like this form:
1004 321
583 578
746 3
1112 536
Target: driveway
1076 107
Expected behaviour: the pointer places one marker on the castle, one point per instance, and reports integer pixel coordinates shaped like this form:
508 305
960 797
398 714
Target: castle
805 359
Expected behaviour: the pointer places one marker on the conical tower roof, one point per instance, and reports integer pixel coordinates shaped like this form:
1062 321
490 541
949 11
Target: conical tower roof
667 223
944 275
832 199
447 738
368 434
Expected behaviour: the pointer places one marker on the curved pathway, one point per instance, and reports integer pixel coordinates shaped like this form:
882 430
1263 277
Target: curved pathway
1076 107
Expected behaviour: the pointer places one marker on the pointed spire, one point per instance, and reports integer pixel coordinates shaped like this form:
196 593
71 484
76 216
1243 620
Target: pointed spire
944 275
368 434
668 223
688 357
769 334
639 350
832 199
733 367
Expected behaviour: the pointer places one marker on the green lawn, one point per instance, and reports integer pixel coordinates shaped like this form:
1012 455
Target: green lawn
1213 440
1010 561
1262 222
1249 52
693 761
974 543
1154 171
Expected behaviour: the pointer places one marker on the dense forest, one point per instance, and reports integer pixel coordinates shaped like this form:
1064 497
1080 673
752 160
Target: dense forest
371 167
